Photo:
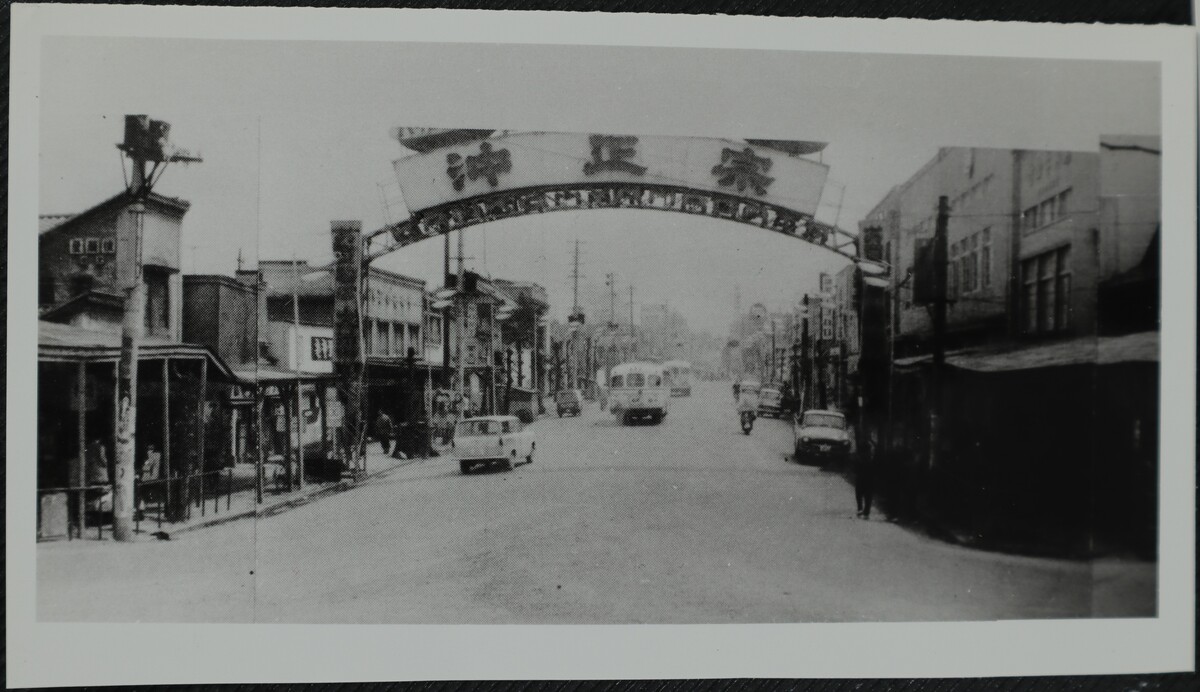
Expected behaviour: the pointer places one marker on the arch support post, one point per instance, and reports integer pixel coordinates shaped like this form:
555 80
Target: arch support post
349 354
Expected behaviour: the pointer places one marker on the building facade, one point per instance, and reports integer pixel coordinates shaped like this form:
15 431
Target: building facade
393 314
78 257
1030 234
1052 330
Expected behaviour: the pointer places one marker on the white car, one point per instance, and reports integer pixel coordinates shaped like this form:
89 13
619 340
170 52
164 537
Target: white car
488 440
822 436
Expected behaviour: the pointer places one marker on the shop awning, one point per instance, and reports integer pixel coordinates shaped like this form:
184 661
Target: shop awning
262 374
67 343
1105 350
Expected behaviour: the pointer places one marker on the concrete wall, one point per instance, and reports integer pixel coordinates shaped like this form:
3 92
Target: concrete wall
221 314
1130 200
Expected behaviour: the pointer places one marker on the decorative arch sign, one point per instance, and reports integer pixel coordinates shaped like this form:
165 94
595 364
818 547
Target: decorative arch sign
461 178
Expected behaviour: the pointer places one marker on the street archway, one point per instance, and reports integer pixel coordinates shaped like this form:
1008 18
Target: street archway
461 178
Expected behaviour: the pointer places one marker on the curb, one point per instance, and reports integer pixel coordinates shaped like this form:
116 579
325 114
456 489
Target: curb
291 502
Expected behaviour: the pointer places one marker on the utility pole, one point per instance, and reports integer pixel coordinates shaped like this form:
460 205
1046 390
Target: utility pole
575 282
460 375
819 358
575 319
939 325
631 309
772 349
130 230
805 359
447 310
612 298
296 344
145 142
632 343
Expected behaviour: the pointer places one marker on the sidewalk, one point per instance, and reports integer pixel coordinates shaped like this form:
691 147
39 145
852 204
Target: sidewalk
241 502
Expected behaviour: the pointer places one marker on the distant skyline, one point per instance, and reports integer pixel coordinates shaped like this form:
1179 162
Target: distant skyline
295 134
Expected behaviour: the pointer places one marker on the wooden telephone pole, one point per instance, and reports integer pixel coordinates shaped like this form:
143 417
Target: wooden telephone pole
940 252
145 143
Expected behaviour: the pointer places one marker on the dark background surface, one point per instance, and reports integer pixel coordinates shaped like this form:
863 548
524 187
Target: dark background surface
1071 11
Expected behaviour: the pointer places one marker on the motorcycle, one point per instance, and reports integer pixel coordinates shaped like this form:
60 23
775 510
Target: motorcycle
747 421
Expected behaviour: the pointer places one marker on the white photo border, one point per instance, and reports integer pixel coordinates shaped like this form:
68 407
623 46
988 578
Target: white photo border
42 654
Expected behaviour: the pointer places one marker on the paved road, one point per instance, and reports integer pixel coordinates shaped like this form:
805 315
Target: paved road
686 522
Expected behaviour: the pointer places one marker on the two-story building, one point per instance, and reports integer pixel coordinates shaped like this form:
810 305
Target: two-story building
1051 341
296 306
183 388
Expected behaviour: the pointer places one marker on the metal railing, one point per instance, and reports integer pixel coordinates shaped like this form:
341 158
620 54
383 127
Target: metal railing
173 500
167 500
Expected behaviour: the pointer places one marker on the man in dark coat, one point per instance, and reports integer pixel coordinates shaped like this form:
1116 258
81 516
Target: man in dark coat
383 430
864 474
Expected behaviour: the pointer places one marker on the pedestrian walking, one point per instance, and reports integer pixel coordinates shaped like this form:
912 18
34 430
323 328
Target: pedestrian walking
864 474
383 430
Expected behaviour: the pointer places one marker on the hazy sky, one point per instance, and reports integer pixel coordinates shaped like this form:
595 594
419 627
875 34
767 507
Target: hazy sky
295 134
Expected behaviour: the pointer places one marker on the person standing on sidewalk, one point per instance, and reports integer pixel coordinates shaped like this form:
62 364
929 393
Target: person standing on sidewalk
864 474
383 430
99 493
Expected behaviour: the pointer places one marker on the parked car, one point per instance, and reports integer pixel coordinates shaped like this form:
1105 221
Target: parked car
821 436
491 440
770 402
569 401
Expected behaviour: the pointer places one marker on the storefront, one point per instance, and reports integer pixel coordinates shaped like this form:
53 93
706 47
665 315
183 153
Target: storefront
184 395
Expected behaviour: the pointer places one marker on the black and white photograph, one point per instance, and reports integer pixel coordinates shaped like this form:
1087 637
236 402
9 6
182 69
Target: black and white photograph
445 331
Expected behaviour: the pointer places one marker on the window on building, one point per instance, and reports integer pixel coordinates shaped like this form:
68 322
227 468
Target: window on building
952 277
158 301
1029 295
1029 218
1062 288
1063 198
433 331
381 342
973 264
1046 295
1047 212
985 258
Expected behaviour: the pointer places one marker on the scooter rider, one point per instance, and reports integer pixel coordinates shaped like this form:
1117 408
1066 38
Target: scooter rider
747 405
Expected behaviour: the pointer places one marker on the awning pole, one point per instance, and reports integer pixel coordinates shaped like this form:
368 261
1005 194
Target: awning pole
203 422
79 472
166 425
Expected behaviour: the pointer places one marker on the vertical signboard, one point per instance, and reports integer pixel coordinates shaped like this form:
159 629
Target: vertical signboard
348 363
872 243
873 326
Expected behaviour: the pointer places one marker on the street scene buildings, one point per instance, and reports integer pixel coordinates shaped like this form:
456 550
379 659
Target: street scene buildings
936 401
